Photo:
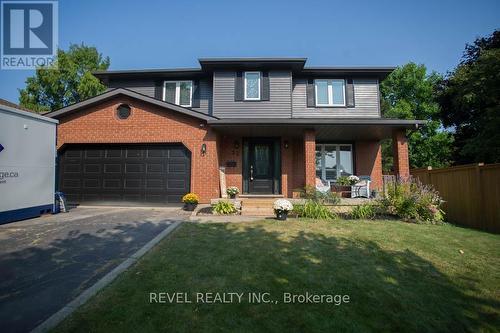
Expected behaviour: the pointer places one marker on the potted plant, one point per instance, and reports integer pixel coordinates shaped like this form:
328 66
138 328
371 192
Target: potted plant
281 209
343 185
190 201
232 191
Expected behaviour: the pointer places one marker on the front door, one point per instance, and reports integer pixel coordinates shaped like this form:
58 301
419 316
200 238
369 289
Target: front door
261 167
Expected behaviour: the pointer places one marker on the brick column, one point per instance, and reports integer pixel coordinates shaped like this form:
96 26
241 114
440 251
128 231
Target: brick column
400 153
310 157
286 167
369 161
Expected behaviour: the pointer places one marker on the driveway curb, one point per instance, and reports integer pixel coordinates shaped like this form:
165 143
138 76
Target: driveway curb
69 308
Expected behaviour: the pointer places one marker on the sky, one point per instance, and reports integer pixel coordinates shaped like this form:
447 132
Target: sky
170 34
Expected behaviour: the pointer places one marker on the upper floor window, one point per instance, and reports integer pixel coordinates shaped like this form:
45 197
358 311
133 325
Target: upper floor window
252 86
330 92
178 92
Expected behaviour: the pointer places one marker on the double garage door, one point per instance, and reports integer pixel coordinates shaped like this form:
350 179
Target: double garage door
126 174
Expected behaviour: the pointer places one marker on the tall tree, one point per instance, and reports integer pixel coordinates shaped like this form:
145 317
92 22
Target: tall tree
470 101
68 81
409 93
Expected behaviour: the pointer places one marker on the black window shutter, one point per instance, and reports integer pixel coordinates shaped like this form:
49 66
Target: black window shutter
159 90
311 100
350 93
238 87
265 94
195 102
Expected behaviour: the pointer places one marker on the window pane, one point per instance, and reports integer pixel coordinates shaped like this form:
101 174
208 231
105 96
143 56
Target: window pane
330 162
170 92
321 92
345 161
338 91
318 161
185 94
252 82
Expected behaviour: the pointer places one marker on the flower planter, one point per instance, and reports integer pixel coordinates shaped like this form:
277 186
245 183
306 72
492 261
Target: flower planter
190 206
281 215
343 190
232 196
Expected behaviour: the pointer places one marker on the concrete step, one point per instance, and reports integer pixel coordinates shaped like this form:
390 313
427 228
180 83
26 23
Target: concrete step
261 196
257 204
257 211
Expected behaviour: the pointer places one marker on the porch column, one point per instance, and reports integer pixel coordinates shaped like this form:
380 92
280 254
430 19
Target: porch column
400 153
310 157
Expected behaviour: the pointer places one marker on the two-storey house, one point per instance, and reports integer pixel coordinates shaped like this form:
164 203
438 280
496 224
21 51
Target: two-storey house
272 124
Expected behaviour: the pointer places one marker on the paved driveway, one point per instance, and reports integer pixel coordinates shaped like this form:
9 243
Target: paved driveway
48 261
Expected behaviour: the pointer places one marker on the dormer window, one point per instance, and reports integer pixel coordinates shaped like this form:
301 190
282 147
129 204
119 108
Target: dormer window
178 92
330 92
252 86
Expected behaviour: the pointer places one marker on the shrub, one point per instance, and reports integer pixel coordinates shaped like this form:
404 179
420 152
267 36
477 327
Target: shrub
363 212
190 198
412 200
223 207
313 210
311 193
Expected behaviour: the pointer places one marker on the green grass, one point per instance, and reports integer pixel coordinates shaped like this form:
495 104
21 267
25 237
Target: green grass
400 278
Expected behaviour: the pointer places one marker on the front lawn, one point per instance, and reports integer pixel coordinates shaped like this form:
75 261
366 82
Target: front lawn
399 277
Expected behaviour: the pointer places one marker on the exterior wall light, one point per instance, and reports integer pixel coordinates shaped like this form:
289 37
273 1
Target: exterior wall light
236 144
285 144
203 149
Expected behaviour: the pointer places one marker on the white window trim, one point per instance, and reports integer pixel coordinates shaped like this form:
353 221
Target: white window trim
258 90
178 92
330 92
337 158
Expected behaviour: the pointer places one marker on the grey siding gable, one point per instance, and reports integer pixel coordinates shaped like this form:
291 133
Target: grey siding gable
366 97
278 106
147 87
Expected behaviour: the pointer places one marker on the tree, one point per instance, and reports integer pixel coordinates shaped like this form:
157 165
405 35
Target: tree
470 102
68 81
410 93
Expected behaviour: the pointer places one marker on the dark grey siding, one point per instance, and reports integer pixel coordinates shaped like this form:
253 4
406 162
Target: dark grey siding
279 105
147 87
366 97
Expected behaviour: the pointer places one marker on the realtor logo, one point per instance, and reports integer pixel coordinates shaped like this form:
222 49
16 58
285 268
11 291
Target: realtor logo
29 34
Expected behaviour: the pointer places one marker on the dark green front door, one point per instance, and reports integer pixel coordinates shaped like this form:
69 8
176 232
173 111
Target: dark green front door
261 167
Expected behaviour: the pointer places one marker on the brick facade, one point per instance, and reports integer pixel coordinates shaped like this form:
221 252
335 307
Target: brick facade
310 157
229 152
368 161
151 124
400 153
148 124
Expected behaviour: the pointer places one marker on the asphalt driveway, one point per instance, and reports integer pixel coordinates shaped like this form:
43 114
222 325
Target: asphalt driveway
48 261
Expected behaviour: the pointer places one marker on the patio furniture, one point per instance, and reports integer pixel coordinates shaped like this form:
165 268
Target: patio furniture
322 185
361 188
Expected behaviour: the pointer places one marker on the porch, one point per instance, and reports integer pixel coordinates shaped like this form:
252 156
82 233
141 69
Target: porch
263 158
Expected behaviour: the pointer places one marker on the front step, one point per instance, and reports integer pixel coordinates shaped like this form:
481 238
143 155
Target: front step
261 196
258 206
257 202
257 211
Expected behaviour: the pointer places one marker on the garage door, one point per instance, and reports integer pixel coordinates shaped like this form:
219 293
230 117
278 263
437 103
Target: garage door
124 174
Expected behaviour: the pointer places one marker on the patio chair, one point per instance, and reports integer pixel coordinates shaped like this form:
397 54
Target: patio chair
362 188
322 186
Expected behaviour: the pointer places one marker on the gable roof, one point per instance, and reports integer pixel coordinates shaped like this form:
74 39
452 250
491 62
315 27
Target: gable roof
14 105
129 93
208 65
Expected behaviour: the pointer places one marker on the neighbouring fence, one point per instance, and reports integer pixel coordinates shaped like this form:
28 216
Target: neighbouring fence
471 193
